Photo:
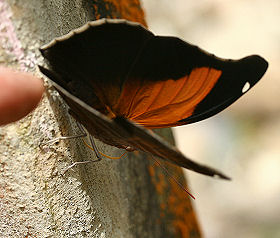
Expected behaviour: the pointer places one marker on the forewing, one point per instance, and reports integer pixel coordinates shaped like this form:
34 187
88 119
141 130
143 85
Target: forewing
175 83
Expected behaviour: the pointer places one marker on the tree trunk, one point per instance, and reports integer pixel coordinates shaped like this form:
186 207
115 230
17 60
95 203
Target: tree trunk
129 197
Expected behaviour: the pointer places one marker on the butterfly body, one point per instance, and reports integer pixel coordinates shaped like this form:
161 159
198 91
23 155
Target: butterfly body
115 73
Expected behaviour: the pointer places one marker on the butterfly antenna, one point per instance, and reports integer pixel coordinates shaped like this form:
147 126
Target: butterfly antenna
170 176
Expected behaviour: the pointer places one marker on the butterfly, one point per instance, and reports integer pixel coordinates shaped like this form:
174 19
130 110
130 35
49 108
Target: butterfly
120 80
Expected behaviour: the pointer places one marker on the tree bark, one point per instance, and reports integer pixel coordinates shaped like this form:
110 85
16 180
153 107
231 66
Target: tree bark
113 198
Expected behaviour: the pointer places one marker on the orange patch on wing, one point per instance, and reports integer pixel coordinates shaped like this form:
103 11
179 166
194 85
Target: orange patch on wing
157 104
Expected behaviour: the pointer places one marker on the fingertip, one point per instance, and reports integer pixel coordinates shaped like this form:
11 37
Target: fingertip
20 93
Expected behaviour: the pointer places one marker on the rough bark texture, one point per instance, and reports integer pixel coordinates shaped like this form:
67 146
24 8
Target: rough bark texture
123 198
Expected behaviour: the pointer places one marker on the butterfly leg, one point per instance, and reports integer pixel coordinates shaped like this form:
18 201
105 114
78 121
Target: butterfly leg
94 148
83 134
61 138
93 145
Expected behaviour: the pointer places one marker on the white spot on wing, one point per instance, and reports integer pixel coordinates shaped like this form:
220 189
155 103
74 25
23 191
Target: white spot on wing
246 87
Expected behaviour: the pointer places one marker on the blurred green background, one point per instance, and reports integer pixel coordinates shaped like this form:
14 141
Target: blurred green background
244 140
